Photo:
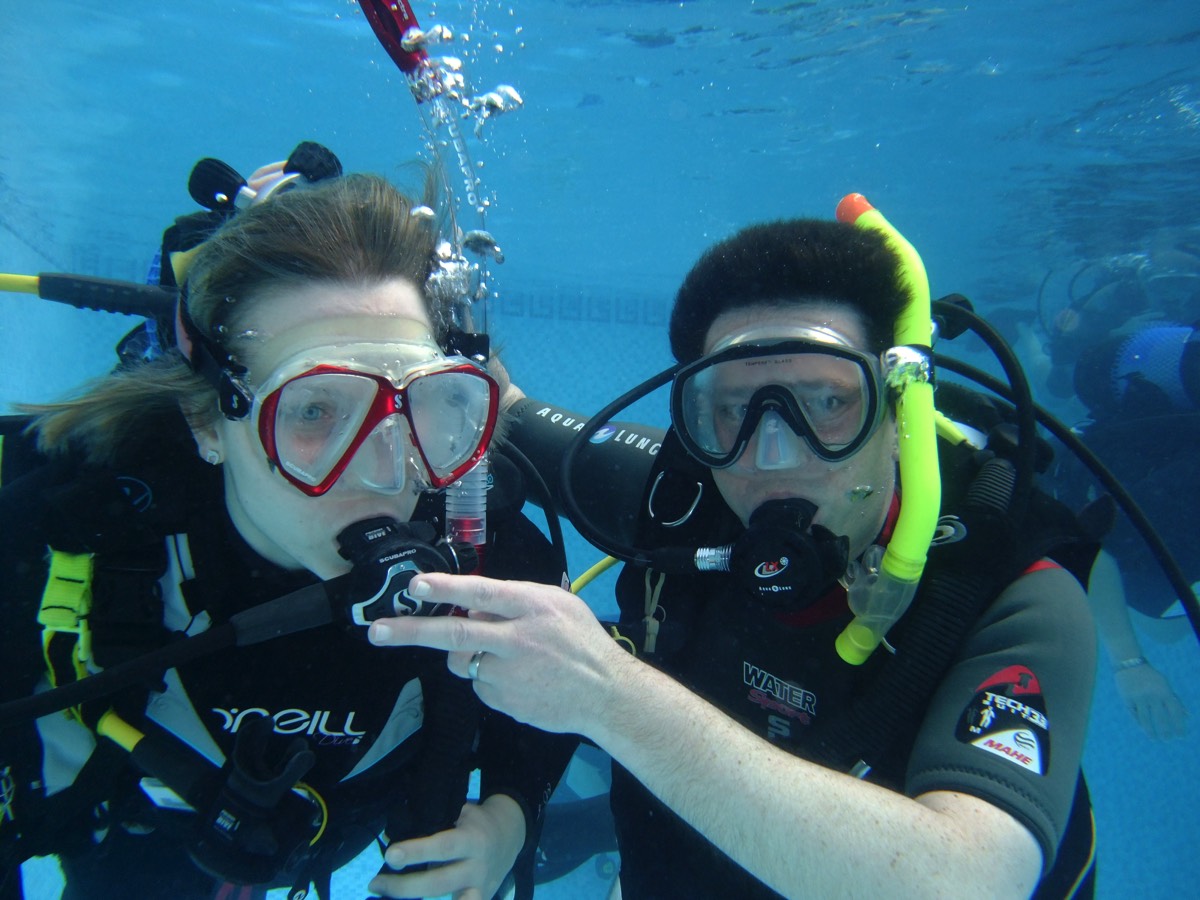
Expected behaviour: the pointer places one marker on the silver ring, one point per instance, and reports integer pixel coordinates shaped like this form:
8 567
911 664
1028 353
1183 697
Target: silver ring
473 665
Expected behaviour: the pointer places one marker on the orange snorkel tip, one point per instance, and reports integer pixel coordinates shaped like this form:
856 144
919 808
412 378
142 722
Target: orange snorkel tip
851 207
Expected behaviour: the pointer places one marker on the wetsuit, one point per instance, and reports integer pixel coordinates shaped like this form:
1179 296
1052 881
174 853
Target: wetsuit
1142 390
1154 457
393 733
1006 721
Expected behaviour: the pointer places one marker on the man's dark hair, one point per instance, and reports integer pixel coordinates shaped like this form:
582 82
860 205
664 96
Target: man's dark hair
787 262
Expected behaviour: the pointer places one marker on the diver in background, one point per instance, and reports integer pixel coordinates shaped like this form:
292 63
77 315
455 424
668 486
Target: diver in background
1119 296
1113 353
1141 386
740 769
314 403
223 192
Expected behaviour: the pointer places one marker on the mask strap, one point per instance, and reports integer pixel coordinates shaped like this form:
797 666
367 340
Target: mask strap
212 362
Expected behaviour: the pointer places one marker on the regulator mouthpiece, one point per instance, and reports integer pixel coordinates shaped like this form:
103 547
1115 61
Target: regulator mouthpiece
387 555
782 559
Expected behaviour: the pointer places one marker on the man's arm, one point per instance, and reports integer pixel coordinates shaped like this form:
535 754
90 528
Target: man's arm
801 828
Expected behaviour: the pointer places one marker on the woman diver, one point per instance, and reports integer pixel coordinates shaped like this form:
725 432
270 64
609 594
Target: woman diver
313 413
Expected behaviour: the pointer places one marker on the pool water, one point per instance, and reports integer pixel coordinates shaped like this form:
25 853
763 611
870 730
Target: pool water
1022 147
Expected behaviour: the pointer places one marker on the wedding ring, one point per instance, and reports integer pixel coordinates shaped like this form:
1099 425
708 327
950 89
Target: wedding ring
473 665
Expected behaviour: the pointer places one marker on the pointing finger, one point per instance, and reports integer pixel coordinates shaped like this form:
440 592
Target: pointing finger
502 598
452 633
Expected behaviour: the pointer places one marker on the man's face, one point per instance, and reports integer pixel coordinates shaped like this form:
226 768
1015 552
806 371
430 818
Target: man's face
853 495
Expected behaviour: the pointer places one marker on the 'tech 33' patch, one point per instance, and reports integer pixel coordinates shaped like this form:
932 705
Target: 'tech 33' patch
1007 717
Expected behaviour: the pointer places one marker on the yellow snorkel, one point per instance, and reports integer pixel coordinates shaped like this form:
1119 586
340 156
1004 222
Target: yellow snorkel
882 584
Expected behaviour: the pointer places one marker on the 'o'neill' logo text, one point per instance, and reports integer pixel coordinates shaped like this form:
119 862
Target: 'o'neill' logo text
295 721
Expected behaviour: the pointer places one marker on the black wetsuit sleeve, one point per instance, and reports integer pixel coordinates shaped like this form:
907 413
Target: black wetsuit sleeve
610 473
1008 722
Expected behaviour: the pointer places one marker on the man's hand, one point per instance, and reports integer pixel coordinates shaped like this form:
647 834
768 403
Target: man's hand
545 659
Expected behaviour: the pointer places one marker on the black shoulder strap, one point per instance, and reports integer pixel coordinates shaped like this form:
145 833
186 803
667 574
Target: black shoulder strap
680 507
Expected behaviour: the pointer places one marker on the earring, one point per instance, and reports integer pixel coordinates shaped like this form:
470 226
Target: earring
212 457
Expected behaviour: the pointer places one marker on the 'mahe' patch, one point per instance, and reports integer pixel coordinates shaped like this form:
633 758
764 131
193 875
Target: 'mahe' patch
1007 717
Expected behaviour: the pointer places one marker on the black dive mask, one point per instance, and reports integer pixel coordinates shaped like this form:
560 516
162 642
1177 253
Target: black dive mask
387 555
785 561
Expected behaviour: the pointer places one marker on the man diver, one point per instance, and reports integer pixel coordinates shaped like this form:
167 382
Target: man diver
766 738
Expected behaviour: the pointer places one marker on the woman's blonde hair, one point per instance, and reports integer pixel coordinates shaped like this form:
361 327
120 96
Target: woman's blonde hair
358 229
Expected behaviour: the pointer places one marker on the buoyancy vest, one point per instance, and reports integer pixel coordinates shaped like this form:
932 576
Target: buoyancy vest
979 550
393 743
857 719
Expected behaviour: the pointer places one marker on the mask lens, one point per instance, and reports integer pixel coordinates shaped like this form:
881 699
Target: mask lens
824 398
316 419
450 414
834 401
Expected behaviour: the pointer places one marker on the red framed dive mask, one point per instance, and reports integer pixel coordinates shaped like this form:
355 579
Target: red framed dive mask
330 421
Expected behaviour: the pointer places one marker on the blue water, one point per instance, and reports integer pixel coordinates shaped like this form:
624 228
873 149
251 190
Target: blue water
1011 142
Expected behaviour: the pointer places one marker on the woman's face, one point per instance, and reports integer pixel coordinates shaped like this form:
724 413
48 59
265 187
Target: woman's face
852 496
278 520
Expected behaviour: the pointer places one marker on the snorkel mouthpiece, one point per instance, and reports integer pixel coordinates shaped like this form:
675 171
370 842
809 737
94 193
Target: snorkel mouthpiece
886 580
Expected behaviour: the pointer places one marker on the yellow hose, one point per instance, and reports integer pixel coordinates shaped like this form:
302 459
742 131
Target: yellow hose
591 574
19 284
904 558
119 731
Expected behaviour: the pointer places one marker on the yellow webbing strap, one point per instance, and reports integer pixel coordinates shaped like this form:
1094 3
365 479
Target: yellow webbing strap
66 605
651 619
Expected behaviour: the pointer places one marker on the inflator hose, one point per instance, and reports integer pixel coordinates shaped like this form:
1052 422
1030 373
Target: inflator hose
300 610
